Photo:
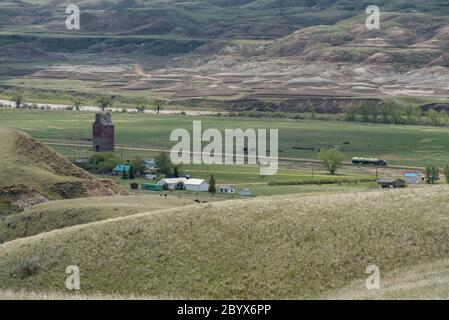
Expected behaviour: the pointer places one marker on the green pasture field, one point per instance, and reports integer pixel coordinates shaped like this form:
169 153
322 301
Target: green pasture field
404 145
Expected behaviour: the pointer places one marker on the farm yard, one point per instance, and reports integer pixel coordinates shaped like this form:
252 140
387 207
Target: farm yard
248 177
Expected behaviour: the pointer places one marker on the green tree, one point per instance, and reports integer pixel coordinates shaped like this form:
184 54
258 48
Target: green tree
164 164
104 102
138 166
331 159
159 105
176 171
446 172
350 113
77 102
435 174
385 112
212 185
428 174
103 162
432 174
434 117
444 119
410 115
374 114
396 116
132 175
141 108
365 111
18 99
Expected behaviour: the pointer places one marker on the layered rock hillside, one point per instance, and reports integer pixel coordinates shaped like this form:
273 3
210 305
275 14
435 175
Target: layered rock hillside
32 173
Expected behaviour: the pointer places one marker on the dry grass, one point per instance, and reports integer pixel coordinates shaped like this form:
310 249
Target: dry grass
26 295
66 213
424 281
278 247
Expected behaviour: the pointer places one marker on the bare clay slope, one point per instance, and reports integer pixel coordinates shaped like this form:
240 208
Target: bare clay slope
31 173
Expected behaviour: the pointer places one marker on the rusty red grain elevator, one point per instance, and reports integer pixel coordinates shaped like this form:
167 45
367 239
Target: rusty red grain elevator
103 138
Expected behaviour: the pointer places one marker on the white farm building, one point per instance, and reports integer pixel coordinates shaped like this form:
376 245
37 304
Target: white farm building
196 185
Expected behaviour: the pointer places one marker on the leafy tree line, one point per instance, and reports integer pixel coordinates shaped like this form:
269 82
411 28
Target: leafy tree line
105 102
390 113
432 173
104 163
166 167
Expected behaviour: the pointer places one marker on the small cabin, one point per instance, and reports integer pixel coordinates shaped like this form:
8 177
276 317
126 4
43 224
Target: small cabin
227 189
150 164
412 178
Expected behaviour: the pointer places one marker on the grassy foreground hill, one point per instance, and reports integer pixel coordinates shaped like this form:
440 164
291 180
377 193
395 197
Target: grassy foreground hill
424 281
32 173
278 247
60 214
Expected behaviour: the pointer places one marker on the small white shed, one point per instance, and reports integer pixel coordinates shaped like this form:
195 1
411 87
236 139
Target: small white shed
412 178
246 193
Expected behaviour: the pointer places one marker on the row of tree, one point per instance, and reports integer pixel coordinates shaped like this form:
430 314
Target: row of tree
432 173
103 102
390 113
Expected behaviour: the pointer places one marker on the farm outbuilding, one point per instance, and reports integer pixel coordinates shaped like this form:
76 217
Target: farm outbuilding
197 185
150 176
152 187
246 193
412 178
227 189
150 164
172 183
391 183
119 169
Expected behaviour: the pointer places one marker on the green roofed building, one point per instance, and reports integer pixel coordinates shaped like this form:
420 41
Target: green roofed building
119 169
